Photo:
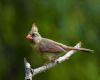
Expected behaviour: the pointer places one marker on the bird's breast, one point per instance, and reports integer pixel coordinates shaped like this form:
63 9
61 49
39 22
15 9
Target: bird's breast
35 47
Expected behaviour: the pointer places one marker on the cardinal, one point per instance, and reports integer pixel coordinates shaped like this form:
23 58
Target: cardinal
48 48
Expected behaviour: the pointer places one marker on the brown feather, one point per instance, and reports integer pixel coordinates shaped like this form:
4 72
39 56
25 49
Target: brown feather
46 45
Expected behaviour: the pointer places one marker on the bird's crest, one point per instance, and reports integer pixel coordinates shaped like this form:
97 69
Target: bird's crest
34 28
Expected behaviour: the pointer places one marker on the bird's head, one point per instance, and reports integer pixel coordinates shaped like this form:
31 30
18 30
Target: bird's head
34 36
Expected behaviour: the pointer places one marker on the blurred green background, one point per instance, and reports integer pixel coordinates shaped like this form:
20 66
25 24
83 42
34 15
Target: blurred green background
66 21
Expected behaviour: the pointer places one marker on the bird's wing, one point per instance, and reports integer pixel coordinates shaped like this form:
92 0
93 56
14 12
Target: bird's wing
46 45
67 48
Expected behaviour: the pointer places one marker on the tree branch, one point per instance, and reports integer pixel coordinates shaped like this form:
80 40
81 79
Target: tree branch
29 72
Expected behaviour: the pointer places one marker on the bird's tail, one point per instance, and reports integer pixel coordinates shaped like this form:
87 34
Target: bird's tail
79 49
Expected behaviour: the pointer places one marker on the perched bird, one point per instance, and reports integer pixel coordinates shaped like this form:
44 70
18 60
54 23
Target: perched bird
48 48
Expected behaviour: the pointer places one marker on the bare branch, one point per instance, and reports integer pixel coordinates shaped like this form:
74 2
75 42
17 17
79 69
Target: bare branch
29 72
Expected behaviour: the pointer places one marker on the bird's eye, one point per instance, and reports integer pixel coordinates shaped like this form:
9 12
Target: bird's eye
33 34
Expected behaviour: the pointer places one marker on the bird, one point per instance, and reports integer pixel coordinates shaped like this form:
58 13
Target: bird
48 48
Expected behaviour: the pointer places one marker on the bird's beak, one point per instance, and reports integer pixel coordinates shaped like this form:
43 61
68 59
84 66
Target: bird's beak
29 37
